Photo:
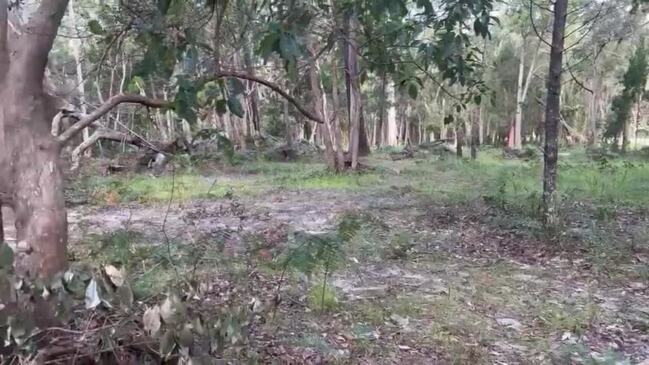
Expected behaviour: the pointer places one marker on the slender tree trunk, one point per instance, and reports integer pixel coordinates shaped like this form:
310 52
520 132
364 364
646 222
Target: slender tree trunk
459 139
521 92
337 133
553 114
358 135
518 119
625 136
637 118
391 127
353 88
75 45
475 133
378 135
319 105
253 93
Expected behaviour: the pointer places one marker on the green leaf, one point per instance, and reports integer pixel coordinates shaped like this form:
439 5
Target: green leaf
477 99
95 27
268 45
448 119
6 256
288 46
163 6
135 84
221 107
413 90
235 107
186 100
235 86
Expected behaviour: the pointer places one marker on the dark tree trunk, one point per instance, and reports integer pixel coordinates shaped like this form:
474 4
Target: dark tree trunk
552 114
459 139
475 132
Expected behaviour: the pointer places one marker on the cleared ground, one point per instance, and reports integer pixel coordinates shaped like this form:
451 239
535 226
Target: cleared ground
428 260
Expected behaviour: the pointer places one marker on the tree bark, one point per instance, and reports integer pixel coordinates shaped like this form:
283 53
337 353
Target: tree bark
459 139
553 114
317 99
337 132
475 132
378 132
357 135
30 171
75 45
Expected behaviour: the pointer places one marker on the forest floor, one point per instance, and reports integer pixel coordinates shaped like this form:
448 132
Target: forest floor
445 262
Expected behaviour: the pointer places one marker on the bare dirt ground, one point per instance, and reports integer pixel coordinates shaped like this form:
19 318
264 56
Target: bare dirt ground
468 291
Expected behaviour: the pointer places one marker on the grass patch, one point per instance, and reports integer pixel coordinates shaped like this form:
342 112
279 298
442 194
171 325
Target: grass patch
150 189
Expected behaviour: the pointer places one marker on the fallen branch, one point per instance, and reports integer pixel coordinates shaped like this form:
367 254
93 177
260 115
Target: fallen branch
106 107
111 135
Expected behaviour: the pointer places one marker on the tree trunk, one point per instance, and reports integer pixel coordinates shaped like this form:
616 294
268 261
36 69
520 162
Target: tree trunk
337 129
30 172
518 119
475 133
357 134
459 139
75 45
553 114
521 92
353 88
319 106
378 133
253 93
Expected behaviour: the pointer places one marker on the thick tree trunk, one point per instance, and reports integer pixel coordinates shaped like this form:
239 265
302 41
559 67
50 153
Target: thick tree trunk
30 173
553 114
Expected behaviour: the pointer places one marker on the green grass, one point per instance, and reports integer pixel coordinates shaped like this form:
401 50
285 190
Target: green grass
150 189
519 183
514 184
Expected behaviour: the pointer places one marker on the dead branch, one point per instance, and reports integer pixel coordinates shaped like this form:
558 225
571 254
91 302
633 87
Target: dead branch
276 88
111 135
106 107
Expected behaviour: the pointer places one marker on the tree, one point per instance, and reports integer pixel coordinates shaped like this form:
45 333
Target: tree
634 81
553 113
31 175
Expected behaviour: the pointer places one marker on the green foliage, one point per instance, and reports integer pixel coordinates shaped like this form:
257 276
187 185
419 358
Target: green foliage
322 297
634 82
95 27
186 99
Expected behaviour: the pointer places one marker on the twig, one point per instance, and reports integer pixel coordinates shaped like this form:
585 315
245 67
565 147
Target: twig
534 25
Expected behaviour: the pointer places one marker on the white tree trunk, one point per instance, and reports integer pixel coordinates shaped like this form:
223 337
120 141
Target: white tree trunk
76 45
392 116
